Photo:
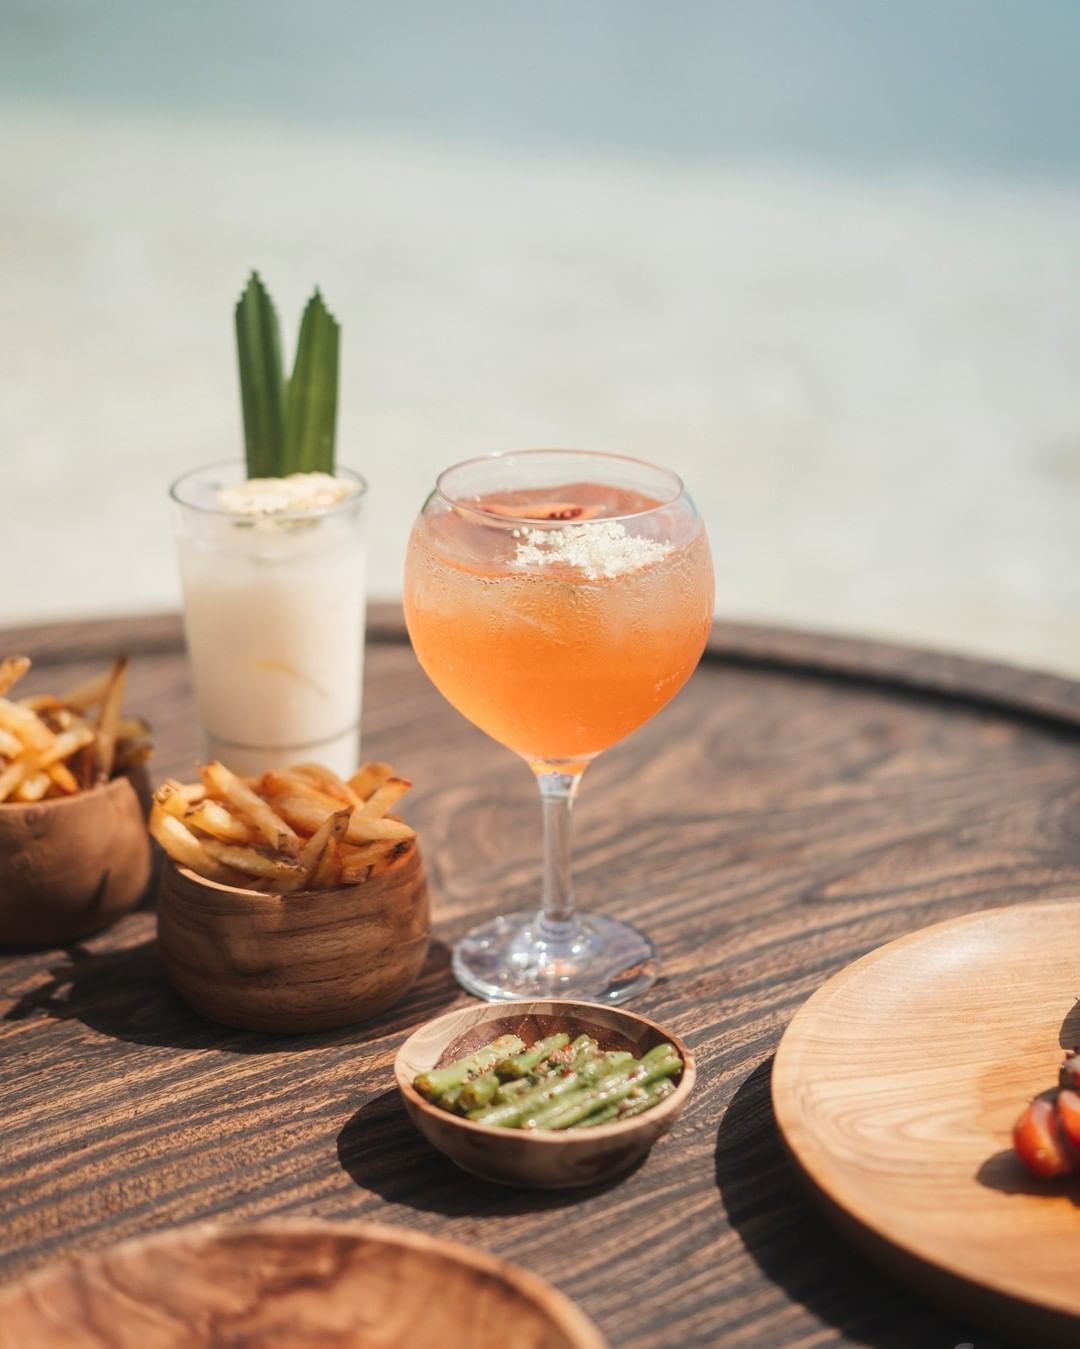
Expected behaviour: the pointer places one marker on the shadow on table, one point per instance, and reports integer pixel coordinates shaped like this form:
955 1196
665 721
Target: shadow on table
793 1246
382 1152
1005 1173
1070 1030
125 994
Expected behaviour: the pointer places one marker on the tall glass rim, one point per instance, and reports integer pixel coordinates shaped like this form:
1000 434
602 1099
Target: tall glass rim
338 508
502 518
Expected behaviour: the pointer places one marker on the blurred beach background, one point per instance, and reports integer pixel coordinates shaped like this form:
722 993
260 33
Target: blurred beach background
823 259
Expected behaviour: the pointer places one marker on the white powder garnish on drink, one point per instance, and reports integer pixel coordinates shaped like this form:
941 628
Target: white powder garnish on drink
297 493
601 550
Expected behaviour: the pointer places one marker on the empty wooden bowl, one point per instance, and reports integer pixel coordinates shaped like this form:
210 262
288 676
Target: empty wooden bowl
293 1285
556 1160
307 961
71 865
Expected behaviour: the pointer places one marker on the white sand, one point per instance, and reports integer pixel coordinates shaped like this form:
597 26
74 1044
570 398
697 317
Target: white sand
872 387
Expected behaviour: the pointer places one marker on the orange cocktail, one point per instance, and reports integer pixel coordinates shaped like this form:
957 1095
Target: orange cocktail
559 640
558 599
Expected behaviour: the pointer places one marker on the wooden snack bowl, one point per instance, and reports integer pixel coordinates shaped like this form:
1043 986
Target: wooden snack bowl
550 1161
72 865
293 1285
306 961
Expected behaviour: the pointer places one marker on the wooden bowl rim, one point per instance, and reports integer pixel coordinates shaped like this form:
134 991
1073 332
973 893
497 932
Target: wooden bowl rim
271 896
788 1126
671 1105
98 790
565 1313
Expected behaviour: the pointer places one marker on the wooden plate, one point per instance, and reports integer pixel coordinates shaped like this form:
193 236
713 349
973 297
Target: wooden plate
293 1285
896 1087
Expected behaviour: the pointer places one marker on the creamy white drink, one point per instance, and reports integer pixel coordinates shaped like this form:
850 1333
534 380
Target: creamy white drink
273 582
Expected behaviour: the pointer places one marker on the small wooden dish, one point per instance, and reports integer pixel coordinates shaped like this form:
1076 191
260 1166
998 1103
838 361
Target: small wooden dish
307 961
71 865
549 1161
293 1285
896 1087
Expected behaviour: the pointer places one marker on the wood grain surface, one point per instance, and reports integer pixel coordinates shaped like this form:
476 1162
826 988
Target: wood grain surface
896 1088
788 812
289 1285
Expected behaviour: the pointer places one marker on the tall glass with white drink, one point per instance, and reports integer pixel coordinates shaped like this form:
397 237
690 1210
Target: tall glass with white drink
274 601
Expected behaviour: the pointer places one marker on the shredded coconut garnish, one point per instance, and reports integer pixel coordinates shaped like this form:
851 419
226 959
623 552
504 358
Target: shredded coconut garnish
277 496
602 549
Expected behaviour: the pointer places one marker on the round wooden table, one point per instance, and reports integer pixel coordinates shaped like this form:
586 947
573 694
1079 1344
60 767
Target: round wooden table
803 800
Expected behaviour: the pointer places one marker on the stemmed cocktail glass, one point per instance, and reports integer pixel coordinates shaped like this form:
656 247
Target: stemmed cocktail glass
558 599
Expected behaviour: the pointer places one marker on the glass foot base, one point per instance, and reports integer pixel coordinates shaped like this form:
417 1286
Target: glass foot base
522 955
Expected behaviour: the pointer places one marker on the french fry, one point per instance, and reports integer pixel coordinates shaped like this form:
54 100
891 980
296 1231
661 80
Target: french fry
12 669
183 847
25 725
109 719
65 745
328 872
331 831
385 797
288 783
328 782
277 831
214 819
366 778
56 718
357 864
11 777
316 839
88 694
63 779
170 800
307 815
43 702
57 749
33 786
252 861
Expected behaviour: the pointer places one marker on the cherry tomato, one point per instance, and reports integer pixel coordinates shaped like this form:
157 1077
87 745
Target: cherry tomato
1038 1141
1068 1108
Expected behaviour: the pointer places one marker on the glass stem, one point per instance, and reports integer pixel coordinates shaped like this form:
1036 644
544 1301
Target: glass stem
557 792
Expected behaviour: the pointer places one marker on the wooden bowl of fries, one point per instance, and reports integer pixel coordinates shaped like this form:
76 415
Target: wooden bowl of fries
74 855
290 902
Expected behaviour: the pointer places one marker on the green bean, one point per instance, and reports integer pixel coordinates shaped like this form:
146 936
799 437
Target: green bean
613 1088
449 1099
615 1111
604 1115
549 1086
507 1091
588 1067
478 1090
520 1065
433 1083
